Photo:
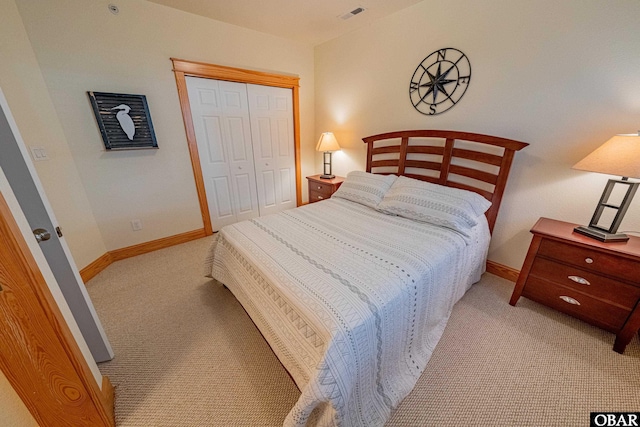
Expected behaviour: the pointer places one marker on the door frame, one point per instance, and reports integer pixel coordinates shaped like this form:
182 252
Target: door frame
183 68
27 187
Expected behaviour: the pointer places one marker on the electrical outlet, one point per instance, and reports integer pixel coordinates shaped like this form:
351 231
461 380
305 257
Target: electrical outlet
39 154
136 225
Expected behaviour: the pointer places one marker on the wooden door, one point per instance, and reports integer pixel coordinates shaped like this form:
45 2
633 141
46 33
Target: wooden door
271 111
27 188
38 353
220 116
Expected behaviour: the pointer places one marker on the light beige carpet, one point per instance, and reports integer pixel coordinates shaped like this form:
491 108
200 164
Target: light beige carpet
188 355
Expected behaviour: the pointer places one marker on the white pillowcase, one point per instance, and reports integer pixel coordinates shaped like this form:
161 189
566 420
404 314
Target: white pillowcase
365 188
435 204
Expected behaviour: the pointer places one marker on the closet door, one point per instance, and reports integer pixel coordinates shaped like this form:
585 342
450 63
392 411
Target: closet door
271 110
223 133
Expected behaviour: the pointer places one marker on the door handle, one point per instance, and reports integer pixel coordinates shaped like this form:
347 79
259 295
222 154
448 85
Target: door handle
41 235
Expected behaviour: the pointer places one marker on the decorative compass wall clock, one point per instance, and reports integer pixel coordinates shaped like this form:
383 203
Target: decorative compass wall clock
440 81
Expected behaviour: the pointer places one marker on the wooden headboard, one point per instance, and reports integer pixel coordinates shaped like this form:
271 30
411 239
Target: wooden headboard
469 161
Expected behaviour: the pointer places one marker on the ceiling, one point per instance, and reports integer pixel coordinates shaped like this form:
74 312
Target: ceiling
308 21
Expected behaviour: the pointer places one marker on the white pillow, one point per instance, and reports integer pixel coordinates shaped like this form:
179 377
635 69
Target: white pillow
365 188
436 204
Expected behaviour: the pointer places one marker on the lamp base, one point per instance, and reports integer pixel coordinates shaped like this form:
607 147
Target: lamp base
602 236
327 176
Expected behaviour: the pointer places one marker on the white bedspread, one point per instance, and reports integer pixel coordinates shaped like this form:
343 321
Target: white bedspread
352 301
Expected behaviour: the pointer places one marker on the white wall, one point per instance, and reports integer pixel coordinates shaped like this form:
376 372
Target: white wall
30 103
81 46
14 412
560 75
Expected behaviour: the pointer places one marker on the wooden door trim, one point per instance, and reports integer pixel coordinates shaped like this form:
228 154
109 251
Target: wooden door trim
183 68
108 258
99 405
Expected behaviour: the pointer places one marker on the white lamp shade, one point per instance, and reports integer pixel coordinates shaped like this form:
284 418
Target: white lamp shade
618 156
327 142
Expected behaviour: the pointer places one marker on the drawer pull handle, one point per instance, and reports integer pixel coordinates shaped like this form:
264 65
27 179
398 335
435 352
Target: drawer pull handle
579 279
569 300
319 187
588 260
320 197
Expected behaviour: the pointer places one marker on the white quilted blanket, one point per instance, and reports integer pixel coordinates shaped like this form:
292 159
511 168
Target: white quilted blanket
352 301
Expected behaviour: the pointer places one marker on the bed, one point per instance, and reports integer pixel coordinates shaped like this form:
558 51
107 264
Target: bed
353 293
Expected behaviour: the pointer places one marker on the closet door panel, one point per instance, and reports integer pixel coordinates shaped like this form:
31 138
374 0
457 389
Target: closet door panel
238 139
269 189
208 124
285 155
223 134
246 204
285 139
285 188
263 140
213 141
222 203
271 112
264 161
241 162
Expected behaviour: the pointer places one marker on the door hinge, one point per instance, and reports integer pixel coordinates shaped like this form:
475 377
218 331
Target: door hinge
59 231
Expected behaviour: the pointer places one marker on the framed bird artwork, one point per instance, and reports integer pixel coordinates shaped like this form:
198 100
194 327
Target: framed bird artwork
124 120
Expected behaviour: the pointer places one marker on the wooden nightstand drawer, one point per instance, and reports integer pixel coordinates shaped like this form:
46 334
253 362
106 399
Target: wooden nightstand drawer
315 196
590 259
321 189
599 287
592 310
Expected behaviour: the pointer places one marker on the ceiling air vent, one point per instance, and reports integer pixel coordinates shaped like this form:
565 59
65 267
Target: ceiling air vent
353 13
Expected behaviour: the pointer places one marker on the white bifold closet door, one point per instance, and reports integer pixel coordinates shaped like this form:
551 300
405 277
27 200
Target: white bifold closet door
271 113
245 143
220 115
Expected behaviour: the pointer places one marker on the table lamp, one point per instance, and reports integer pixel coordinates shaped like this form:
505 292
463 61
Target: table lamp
618 156
327 143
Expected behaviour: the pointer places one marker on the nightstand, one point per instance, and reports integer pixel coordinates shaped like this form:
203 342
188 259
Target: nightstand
320 189
582 277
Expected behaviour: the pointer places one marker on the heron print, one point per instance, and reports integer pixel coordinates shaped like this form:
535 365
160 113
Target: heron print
126 123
